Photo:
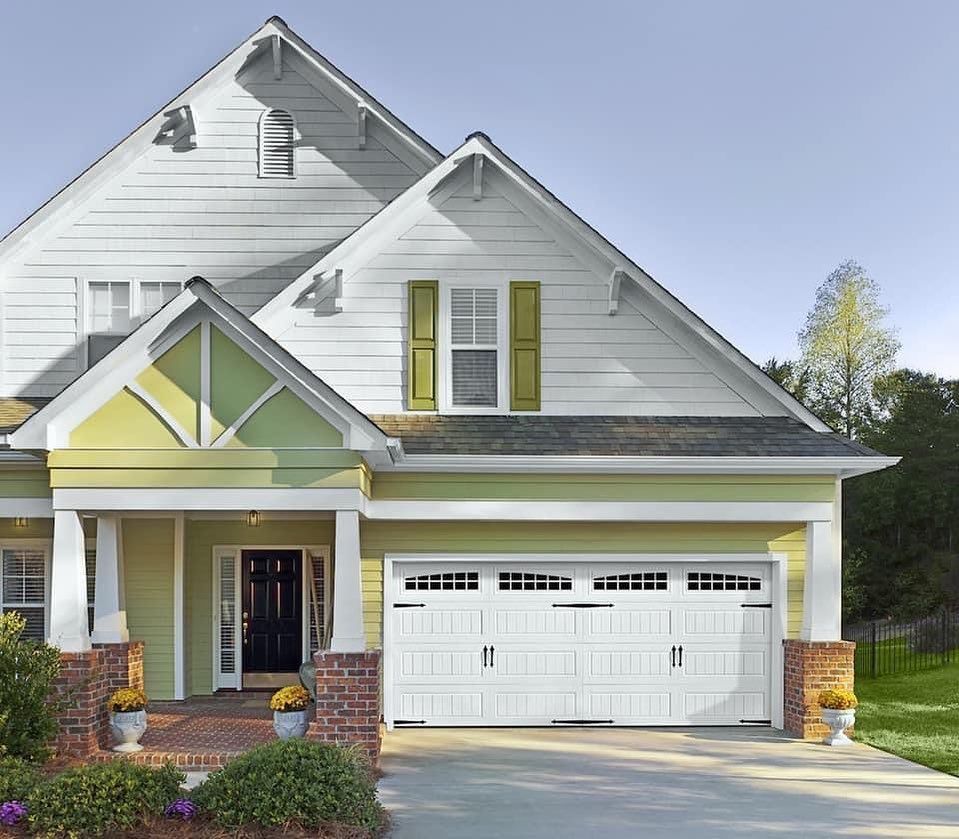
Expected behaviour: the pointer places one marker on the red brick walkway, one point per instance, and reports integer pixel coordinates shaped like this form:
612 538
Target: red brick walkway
205 732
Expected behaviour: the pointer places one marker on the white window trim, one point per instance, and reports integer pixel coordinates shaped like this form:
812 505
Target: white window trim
84 313
45 545
445 360
224 681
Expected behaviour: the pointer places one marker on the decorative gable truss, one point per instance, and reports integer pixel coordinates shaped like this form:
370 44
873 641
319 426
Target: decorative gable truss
198 375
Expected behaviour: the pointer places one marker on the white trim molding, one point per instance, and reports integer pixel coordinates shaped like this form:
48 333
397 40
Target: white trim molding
31 508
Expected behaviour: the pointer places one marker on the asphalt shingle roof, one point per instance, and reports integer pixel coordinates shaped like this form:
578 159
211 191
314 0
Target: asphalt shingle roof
613 436
600 436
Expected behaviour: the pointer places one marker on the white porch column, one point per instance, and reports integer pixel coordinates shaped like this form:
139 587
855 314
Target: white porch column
348 634
822 596
68 584
109 614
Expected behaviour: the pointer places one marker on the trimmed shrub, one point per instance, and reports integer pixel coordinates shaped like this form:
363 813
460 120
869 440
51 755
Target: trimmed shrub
28 670
293 781
18 779
92 799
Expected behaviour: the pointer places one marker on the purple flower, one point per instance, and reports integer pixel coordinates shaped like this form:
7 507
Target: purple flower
182 809
11 812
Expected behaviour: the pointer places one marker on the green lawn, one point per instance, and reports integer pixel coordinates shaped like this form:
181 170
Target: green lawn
914 715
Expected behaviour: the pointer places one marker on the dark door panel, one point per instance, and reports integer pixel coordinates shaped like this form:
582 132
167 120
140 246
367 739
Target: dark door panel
272 611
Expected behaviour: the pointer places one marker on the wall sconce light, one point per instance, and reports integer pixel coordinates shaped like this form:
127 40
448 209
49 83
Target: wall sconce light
253 518
21 521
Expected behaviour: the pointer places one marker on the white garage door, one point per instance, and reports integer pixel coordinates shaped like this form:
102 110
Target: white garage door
508 643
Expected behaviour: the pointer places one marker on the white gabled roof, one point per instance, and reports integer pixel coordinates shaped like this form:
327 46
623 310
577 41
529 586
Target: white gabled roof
142 137
596 252
49 427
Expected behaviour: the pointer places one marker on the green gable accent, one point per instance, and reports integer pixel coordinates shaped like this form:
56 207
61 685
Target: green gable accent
123 422
423 306
286 421
236 381
174 381
524 346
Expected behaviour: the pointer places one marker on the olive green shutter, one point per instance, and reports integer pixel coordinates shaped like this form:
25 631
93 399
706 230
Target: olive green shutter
421 360
524 346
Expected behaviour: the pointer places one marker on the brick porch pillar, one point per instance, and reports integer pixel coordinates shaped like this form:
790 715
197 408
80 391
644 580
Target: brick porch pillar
348 699
812 666
86 681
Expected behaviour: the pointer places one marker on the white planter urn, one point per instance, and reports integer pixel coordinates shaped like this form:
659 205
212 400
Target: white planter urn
127 728
838 721
289 724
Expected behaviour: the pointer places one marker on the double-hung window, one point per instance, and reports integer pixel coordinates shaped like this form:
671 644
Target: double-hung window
24 587
114 307
474 348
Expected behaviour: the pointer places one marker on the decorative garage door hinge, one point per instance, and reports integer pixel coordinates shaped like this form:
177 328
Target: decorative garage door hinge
756 722
756 605
409 722
583 605
581 722
409 605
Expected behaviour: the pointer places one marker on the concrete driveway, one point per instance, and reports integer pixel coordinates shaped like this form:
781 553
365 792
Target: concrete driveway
606 784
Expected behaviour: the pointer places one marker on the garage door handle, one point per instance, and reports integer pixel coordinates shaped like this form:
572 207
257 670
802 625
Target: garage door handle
672 661
680 655
492 649
582 605
484 655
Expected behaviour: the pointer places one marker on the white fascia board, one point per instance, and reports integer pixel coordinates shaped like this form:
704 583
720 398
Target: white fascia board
614 258
70 201
12 460
429 155
635 511
845 467
31 508
599 558
359 431
281 499
48 427
278 312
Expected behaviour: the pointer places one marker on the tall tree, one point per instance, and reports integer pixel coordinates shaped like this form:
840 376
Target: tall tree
846 346
789 375
901 532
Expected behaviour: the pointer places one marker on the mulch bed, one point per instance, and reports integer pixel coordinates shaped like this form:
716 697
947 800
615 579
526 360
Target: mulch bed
201 828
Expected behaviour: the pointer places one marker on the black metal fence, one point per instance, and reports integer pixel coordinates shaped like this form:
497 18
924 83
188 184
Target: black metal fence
887 647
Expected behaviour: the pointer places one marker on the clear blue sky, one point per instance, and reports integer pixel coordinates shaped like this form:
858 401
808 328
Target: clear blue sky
737 150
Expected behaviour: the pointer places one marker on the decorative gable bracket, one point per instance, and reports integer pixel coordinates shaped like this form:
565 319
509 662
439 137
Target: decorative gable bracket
328 293
615 280
178 129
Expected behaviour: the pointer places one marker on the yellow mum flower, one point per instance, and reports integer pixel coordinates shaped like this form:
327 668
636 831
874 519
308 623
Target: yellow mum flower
838 699
127 699
290 698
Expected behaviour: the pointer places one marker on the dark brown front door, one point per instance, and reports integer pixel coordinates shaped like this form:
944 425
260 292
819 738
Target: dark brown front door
272 611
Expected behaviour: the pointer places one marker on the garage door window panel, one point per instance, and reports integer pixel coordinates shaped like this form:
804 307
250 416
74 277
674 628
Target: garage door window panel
443 581
713 581
632 581
530 581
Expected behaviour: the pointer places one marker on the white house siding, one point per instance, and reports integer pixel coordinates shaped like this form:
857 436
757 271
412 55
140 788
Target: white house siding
592 362
172 214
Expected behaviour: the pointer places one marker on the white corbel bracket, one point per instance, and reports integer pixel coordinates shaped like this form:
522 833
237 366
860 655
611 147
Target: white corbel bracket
477 177
178 129
361 125
328 293
615 280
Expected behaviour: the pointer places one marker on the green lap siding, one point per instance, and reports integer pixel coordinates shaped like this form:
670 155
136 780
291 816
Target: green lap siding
148 576
379 538
201 536
24 483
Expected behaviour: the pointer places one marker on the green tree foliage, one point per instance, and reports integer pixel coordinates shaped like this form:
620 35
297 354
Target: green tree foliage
790 375
846 347
27 672
901 554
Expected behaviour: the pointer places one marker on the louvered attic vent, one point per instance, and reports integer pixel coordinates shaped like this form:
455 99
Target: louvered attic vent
276 145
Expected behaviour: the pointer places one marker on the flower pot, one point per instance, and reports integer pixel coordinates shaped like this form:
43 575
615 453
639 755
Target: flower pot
838 720
128 727
289 724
